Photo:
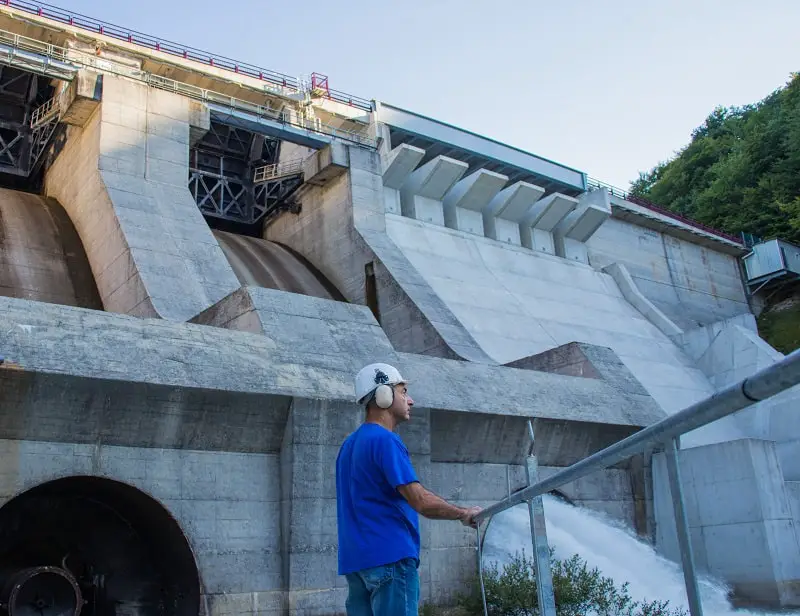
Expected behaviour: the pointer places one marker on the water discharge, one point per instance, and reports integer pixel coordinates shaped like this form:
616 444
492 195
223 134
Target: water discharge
608 545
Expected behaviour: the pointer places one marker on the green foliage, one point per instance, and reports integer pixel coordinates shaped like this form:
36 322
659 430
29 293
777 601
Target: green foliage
741 170
578 591
427 609
781 328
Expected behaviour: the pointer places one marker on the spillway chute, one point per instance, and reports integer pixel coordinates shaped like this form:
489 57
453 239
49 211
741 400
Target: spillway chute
263 263
41 255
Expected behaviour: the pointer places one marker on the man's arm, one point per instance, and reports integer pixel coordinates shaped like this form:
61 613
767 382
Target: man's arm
428 504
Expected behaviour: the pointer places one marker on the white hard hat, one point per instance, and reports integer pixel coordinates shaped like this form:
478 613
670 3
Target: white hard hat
369 377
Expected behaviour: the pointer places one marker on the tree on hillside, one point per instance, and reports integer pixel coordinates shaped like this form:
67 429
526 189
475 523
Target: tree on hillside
740 171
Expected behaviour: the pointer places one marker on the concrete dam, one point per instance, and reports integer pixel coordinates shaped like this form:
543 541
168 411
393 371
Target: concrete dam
196 257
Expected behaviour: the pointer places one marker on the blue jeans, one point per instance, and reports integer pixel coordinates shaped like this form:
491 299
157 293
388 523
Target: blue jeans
388 590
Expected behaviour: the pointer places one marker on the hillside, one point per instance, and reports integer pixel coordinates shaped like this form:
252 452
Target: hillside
740 171
780 325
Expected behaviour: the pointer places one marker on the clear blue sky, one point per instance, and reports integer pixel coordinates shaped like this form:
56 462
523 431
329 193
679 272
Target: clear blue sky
609 87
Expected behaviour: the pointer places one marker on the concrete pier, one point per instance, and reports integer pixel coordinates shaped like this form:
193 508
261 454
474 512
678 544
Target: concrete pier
122 178
398 166
421 195
573 231
503 215
536 227
467 199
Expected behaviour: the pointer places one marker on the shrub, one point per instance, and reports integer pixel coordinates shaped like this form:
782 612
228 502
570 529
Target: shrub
578 590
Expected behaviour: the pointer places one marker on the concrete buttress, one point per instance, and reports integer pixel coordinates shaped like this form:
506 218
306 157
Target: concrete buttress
122 178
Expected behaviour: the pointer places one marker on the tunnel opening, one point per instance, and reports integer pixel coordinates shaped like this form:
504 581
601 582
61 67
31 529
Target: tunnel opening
125 553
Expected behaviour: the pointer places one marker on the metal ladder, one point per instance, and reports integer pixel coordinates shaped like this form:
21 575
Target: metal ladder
44 122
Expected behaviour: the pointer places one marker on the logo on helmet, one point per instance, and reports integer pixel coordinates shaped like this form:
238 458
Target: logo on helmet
381 378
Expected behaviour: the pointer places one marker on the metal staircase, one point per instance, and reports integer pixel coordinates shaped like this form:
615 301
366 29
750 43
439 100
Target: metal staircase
27 125
44 123
269 173
238 199
275 184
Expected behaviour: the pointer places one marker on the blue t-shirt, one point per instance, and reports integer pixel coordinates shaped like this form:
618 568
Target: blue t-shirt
377 526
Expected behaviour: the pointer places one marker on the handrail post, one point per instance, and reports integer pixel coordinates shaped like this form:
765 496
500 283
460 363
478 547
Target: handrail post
541 547
682 527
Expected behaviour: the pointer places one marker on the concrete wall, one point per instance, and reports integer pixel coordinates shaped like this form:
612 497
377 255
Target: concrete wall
228 505
341 230
740 518
451 559
731 350
122 178
609 491
263 526
691 284
309 538
516 302
793 494
323 233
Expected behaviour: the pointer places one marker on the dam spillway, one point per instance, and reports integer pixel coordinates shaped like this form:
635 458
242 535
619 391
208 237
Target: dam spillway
261 263
42 256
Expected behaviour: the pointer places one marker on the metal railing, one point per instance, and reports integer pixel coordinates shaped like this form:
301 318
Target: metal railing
278 170
762 385
45 112
265 110
623 194
187 53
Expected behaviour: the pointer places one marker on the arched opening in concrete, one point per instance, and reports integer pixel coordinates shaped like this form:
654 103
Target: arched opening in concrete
124 550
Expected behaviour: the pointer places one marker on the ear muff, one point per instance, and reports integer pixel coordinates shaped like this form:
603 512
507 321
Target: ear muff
384 396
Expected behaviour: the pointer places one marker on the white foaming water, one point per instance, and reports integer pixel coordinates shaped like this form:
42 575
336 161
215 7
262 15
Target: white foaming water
607 545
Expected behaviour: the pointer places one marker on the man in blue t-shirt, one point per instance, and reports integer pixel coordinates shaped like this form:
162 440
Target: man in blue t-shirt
378 498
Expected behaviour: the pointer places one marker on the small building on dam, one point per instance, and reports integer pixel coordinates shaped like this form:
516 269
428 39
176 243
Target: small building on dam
196 256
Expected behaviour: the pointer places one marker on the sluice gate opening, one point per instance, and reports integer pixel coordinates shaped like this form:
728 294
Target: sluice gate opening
97 547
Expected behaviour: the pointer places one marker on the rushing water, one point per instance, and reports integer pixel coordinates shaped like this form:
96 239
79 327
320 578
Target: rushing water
607 545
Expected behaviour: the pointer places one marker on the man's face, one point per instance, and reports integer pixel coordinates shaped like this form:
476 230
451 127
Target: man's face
401 407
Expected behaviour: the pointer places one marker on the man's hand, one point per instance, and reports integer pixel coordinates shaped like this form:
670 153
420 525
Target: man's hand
434 507
468 519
